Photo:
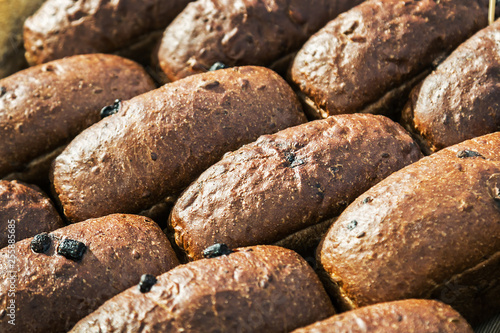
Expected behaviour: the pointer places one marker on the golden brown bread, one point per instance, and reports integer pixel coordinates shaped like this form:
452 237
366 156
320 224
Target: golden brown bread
52 292
44 107
24 212
288 181
430 230
460 100
409 316
256 289
160 141
368 58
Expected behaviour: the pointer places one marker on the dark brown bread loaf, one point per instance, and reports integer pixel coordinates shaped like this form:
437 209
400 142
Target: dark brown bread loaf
53 292
256 289
368 58
161 141
288 181
243 32
409 316
460 100
430 230
24 212
44 107
63 28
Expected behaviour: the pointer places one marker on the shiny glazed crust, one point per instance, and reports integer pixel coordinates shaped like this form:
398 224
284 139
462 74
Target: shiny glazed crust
242 32
44 107
255 289
409 316
430 230
378 46
288 181
162 140
53 292
29 207
63 28
461 99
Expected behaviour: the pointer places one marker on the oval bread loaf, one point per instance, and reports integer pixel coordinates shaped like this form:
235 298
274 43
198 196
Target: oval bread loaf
368 58
430 230
24 212
43 107
242 32
77 268
161 141
63 28
460 100
288 181
255 289
409 316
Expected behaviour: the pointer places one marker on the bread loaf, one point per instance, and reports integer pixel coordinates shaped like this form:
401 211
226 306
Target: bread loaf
256 289
430 230
66 274
288 181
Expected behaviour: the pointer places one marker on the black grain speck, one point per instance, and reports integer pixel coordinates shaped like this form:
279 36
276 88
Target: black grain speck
385 155
351 225
292 160
154 156
111 109
146 283
41 243
71 249
218 65
3 90
367 200
468 153
216 250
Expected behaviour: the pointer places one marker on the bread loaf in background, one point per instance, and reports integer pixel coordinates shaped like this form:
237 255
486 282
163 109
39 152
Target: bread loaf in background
24 212
254 289
409 316
43 107
241 32
460 100
63 28
285 182
161 141
368 58
430 230
52 292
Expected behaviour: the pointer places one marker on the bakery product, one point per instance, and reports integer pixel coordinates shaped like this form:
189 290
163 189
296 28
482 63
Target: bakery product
254 289
241 33
288 181
160 141
430 230
24 212
12 16
410 316
66 274
368 58
460 100
43 107
63 28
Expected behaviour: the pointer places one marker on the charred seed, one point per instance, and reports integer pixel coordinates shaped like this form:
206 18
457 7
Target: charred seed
111 109
385 155
468 153
218 65
146 283
351 225
71 249
154 156
41 243
216 250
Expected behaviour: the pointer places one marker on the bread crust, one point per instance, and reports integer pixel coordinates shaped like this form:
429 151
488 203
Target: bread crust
288 181
460 100
430 230
410 316
378 46
63 28
161 141
44 107
255 289
31 209
53 292
242 32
